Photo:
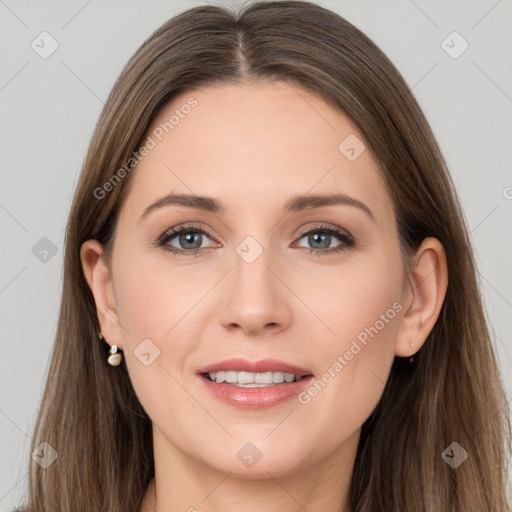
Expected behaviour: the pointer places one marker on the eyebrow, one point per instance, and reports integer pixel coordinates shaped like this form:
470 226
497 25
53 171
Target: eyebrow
294 204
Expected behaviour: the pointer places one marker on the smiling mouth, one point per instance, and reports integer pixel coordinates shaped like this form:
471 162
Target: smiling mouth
251 379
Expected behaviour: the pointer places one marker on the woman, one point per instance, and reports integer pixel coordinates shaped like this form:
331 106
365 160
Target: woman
322 344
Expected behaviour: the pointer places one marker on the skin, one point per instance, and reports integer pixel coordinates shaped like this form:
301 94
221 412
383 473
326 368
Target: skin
252 147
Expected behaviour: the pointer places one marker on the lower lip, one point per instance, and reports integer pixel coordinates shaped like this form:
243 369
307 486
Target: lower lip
256 398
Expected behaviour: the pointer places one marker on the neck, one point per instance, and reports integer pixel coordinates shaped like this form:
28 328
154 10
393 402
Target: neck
189 485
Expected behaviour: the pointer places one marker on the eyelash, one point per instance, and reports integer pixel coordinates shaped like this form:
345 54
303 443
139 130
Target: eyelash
345 237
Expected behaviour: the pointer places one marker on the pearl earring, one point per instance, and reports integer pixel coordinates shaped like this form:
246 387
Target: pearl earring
115 357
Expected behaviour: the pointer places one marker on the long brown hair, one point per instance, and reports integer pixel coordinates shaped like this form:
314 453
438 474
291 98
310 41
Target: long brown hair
452 393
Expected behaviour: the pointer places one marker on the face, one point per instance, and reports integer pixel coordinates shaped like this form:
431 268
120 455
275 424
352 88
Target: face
286 285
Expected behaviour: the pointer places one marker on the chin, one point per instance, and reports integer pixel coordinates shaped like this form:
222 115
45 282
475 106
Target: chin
255 460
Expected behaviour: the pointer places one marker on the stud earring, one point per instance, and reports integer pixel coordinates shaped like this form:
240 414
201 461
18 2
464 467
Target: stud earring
412 357
115 357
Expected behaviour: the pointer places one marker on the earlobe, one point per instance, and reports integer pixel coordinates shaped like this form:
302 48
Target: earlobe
98 277
423 295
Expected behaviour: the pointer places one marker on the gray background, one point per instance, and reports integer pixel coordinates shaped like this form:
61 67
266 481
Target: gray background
48 109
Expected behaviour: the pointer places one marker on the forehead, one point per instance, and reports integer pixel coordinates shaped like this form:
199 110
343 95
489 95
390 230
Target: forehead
254 145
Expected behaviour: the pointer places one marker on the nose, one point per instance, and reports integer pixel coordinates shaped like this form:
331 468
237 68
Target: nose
257 300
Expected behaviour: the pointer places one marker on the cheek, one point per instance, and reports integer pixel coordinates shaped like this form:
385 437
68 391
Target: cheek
353 297
362 311
154 306
154 299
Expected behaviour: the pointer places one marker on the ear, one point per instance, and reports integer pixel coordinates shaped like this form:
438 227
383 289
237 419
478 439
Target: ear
99 279
422 296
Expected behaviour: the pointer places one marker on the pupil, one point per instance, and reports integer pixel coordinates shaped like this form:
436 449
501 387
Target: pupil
314 239
188 237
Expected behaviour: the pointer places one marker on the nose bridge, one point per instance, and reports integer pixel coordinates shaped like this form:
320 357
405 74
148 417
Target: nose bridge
253 259
256 297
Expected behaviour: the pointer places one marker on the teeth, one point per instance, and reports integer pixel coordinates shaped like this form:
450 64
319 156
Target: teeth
289 377
252 380
231 377
277 377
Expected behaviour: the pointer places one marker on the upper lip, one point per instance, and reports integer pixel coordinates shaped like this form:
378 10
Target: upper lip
261 366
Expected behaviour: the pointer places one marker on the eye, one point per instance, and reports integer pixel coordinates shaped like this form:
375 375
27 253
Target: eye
188 240
189 237
321 237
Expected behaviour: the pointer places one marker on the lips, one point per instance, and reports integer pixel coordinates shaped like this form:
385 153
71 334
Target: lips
254 396
261 366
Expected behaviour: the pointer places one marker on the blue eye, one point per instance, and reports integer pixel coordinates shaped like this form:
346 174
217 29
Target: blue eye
319 235
190 237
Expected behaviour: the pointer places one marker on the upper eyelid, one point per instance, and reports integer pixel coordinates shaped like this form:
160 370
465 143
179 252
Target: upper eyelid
324 226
